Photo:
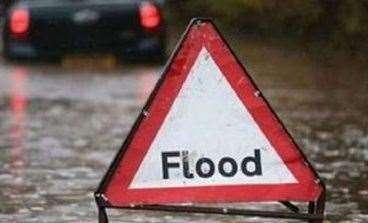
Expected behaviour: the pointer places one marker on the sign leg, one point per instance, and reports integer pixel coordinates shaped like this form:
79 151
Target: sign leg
311 210
102 215
320 205
317 207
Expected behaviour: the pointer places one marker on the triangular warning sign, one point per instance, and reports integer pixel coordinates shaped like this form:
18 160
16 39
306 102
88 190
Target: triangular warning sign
207 135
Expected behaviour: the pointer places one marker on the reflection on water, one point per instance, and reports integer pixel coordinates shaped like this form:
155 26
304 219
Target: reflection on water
18 105
60 129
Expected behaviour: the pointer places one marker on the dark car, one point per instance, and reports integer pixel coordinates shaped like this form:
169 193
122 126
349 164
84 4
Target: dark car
53 28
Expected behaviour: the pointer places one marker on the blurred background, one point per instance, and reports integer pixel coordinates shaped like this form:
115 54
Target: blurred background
334 23
75 74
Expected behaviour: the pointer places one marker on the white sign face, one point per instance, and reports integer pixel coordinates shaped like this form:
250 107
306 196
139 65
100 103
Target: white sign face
209 138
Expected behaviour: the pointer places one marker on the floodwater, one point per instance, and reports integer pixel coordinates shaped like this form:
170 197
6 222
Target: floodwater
60 127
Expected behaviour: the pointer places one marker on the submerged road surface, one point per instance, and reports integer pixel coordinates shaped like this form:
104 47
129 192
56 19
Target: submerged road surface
61 127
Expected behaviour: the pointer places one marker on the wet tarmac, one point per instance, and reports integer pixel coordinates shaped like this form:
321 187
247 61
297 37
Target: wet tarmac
60 127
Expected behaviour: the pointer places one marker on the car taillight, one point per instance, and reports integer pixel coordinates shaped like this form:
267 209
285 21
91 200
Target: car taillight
150 16
19 22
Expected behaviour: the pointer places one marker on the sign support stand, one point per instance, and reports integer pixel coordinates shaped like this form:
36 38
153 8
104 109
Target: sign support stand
102 215
314 214
315 209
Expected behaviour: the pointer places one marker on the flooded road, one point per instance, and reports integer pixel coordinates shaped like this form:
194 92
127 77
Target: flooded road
61 127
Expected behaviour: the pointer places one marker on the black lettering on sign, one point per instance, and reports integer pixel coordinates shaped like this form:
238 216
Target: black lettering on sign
256 160
211 167
232 162
166 165
185 158
206 168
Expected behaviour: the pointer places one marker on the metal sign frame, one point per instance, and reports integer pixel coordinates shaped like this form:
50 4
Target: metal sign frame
314 214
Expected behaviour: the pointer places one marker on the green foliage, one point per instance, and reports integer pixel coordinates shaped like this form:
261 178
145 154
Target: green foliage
339 22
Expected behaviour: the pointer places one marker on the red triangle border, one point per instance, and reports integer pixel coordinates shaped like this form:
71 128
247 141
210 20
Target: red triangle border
115 184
